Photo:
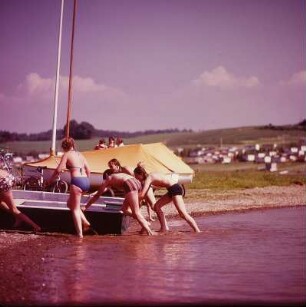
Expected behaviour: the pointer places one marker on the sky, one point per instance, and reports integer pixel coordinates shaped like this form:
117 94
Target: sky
153 64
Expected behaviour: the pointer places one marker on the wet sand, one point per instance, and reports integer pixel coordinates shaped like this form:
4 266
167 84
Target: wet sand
23 255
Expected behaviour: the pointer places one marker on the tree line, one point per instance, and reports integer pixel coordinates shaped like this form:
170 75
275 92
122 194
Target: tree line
299 126
79 131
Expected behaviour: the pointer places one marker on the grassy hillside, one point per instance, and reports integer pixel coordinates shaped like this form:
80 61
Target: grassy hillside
237 136
231 136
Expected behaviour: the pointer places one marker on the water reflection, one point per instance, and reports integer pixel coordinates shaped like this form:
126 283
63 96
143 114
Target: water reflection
247 257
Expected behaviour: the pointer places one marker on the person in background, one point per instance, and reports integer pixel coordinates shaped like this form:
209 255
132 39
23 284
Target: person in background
111 142
175 194
131 187
76 163
116 167
101 145
6 198
119 142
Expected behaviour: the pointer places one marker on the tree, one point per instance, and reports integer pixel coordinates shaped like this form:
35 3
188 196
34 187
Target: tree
82 131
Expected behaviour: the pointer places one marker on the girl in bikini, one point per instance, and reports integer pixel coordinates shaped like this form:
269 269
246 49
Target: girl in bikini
76 163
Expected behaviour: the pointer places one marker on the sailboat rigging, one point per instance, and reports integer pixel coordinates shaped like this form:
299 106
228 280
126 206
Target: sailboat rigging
70 72
56 90
54 124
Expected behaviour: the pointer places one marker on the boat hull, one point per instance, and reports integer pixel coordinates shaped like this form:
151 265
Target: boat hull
50 211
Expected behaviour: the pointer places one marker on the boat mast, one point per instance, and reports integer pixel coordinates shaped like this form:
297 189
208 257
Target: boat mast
53 146
70 74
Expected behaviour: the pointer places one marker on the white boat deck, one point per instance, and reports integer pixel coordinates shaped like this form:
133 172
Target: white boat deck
58 201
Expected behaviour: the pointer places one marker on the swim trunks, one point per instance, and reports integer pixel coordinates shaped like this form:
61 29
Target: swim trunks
131 184
174 190
6 183
81 182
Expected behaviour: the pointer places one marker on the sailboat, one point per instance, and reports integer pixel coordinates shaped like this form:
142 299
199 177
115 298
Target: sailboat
49 209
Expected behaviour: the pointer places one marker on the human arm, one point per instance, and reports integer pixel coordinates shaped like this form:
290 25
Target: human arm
95 197
150 198
61 166
146 187
149 209
128 170
150 201
87 169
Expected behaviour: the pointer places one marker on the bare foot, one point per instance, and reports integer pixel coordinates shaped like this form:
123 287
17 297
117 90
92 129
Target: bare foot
86 227
37 228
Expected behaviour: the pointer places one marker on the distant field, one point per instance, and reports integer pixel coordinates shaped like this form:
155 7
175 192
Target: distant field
246 175
224 137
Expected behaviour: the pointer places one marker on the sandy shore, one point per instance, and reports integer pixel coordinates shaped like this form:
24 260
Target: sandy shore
18 260
204 202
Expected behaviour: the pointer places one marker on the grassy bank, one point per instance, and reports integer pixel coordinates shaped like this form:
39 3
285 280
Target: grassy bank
245 175
219 181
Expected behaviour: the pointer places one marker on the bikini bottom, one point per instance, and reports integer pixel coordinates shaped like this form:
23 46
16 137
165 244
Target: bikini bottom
81 182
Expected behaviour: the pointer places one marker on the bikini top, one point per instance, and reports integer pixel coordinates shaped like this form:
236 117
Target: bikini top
71 167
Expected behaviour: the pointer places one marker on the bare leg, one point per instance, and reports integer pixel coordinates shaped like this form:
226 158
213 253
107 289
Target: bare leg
126 209
181 208
73 204
133 201
164 200
85 222
7 197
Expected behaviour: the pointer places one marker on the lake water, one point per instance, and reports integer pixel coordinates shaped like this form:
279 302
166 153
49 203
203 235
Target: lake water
240 258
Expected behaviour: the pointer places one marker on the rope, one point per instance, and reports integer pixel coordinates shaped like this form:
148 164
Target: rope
70 73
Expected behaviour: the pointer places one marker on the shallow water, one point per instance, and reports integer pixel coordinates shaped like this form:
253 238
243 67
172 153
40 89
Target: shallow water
252 257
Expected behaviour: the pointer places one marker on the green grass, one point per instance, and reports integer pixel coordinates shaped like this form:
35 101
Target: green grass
245 175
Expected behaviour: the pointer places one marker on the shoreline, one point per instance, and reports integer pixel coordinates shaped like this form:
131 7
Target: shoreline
241 200
205 202
19 262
